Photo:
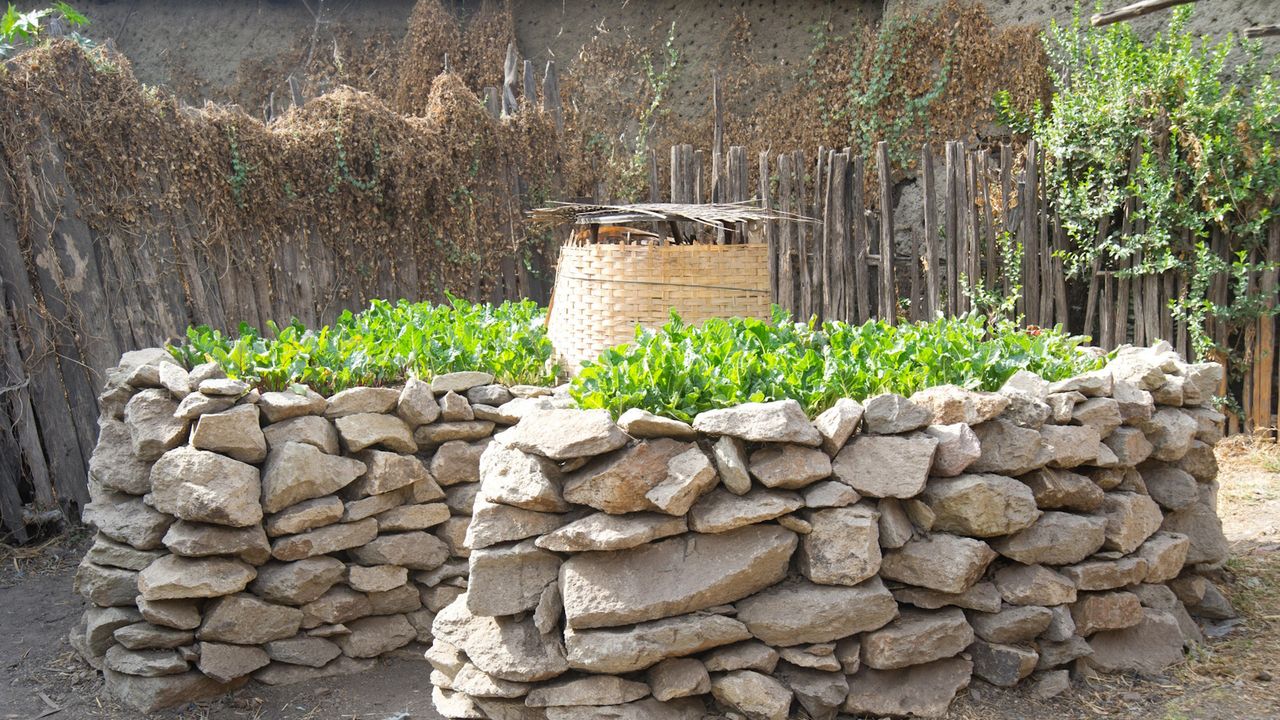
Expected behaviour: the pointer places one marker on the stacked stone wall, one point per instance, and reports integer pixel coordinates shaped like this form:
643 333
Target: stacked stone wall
279 536
872 561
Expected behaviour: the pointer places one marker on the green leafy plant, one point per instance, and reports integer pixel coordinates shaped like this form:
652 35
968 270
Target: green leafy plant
19 29
1169 128
383 345
681 370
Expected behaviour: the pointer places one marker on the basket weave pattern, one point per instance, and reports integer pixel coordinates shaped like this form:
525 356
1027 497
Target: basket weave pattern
603 291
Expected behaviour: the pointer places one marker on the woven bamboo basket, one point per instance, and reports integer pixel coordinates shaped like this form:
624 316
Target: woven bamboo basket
604 290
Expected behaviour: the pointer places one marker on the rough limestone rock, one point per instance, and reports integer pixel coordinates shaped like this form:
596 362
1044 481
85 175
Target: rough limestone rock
958 448
699 571
365 430
174 577
829 493
895 525
1170 431
953 404
982 596
563 434
731 461
1027 409
387 472
797 611
646 709
1203 528
105 586
1105 611
493 523
280 406
414 550
838 423
203 486
719 511
759 697
225 663
678 677
505 648
340 604
747 655
1171 487
176 614
197 404
588 691
201 540
918 691
306 515
309 429
1068 446
789 467
1095 383
328 539
1147 648
942 562
298 583
843 547
302 650
234 433
639 423
886 466
278 673
296 471
361 400
101 624
1002 665
1012 624
1034 585
441 432
113 463
416 404
917 637
508 579
412 517
1063 490
602 531
153 429
513 477
980 505
126 519
1057 538
149 694
373 636
1166 555
1131 519
247 620
890 414
459 382
1101 413
781 421
455 408
689 475
617 483
1107 574
819 693
1057 654
1007 449
636 647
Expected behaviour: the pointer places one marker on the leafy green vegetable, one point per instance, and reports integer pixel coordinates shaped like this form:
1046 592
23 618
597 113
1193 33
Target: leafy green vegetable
382 345
682 370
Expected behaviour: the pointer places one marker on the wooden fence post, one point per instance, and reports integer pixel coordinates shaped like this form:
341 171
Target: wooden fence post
858 221
888 296
933 300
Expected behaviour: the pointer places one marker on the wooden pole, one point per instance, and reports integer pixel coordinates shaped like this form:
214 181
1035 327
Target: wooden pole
858 221
1134 10
932 299
888 304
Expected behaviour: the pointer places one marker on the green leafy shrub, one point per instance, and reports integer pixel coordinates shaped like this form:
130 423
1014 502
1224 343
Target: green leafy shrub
383 345
682 370
24 28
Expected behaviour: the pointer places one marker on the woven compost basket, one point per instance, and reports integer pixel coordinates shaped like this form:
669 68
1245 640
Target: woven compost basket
603 291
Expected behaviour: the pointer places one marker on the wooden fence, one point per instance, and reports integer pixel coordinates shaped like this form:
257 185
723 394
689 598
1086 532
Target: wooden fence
974 204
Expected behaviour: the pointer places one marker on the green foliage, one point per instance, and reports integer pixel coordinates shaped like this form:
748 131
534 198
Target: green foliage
25 28
631 171
383 345
1204 134
682 370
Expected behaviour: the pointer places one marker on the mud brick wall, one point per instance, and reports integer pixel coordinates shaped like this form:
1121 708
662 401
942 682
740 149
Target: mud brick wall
279 536
871 561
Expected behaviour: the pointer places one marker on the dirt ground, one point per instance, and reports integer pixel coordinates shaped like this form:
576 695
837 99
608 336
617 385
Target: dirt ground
1230 679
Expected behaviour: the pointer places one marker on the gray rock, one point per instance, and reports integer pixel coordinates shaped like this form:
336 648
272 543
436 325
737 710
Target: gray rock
1007 449
505 648
1057 654
563 434
1034 585
1063 490
759 697
225 663
919 691
1095 383
145 663
588 691
1105 611
781 421
1131 519
153 428
837 424
177 614
980 505
951 404
492 395
113 463
173 577
636 647
340 604
509 579
101 624
942 562
455 408
617 483
149 694
105 586
234 433
304 516
414 550
109 553
441 432
1147 648
309 429
361 400
895 526
223 386
417 404
1002 665
639 423
886 466
459 382
719 511
366 430
1170 431
819 693
197 404
491 523
829 493
731 461
247 620
790 467
325 540
520 479
677 678
1100 413
374 636
603 590
1013 624
1203 528
689 475
843 547
1107 574
1169 486
412 517
982 596
797 611
1166 555
301 650
1057 538
285 674
917 637
646 709
203 486
602 531
200 540
295 402
958 448
1069 446
746 655
890 414
295 472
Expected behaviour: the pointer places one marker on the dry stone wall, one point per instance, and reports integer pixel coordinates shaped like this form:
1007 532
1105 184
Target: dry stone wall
279 536
871 562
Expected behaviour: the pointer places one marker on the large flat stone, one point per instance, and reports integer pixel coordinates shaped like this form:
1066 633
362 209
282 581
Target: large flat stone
790 467
204 486
721 511
843 547
561 434
324 540
798 611
1057 538
234 433
780 421
942 562
602 531
917 637
636 647
247 620
149 694
508 579
673 577
980 505
524 480
885 465
297 471
503 647
918 691
617 483
173 577
126 519
298 583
